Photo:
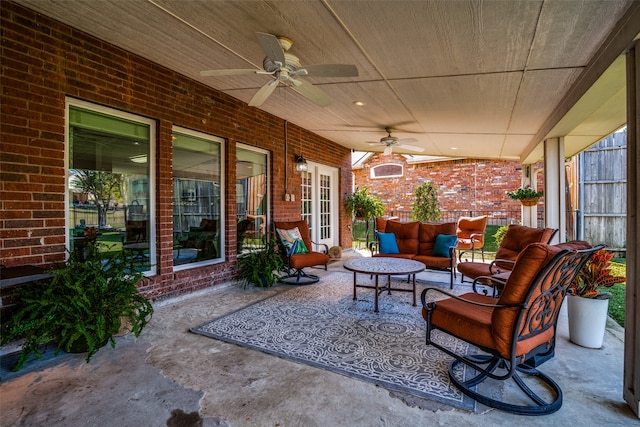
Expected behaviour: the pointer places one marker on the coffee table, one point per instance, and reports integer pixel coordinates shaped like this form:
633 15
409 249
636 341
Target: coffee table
384 266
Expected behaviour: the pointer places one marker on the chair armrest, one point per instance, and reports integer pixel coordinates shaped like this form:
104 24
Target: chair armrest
497 284
373 247
493 264
326 247
430 305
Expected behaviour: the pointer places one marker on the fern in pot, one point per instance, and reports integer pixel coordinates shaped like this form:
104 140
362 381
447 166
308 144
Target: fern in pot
81 307
261 267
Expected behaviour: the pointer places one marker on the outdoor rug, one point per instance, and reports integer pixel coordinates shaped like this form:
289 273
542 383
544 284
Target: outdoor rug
322 326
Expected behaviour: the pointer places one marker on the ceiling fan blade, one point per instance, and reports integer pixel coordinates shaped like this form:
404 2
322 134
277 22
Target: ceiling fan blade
410 147
262 94
230 72
403 140
316 95
328 70
271 47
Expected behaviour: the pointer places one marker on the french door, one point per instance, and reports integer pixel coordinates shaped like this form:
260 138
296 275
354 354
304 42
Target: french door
320 203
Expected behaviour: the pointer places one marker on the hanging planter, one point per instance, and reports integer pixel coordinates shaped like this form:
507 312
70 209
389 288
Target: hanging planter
531 201
526 195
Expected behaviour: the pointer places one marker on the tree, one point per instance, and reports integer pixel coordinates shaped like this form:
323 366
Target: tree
103 186
425 206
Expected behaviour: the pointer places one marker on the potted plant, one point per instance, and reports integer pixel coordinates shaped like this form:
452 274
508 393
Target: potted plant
587 303
526 195
81 307
425 206
261 267
364 206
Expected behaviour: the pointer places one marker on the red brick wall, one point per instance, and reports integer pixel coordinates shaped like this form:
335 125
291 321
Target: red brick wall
467 184
43 61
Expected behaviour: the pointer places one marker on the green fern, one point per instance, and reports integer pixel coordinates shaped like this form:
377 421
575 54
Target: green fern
80 308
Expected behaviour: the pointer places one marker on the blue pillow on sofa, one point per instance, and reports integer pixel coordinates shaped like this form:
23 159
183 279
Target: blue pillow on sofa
388 244
443 243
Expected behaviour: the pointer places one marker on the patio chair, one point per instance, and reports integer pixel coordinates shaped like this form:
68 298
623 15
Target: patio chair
298 251
470 232
515 240
510 331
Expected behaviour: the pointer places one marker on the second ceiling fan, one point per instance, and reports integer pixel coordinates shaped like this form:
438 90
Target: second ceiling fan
286 68
389 141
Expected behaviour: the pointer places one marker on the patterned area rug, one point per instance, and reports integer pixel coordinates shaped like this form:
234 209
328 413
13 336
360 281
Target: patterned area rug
322 326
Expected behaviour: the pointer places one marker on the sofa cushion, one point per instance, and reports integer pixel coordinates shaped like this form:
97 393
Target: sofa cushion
427 235
388 243
406 235
443 244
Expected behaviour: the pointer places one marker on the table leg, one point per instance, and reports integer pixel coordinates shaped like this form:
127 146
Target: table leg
414 290
376 304
354 285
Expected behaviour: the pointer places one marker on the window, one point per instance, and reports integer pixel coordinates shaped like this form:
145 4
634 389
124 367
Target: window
252 197
198 217
110 193
387 171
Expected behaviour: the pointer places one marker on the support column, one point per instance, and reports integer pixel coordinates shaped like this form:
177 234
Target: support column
554 188
529 214
631 385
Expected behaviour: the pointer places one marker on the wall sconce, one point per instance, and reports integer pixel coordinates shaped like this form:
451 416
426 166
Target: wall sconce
301 164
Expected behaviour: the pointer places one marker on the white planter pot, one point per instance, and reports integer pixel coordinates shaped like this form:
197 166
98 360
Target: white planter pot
587 320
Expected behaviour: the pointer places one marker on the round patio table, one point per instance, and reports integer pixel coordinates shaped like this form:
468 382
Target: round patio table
384 266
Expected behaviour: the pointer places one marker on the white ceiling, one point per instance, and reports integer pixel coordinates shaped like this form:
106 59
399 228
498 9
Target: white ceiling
468 78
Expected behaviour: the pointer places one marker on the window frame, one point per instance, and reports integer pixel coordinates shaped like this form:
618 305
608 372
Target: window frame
222 144
73 102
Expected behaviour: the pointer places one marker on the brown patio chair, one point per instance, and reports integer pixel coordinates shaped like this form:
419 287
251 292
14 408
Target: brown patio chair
515 240
470 232
510 331
295 259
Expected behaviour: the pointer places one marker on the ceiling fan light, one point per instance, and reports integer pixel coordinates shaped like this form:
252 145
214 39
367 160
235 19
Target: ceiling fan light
387 150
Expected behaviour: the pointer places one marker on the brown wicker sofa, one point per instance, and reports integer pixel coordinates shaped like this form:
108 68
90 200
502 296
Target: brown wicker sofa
419 241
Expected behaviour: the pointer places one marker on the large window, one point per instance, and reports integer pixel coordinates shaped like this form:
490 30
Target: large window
110 193
198 220
252 197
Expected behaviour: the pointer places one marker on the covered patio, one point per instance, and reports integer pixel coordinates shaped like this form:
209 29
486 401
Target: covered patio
170 369
535 82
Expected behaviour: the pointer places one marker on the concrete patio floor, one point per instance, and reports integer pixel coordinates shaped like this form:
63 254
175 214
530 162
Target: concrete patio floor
169 376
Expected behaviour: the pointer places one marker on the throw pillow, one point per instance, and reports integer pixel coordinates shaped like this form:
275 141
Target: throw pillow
292 239
388 244
443 243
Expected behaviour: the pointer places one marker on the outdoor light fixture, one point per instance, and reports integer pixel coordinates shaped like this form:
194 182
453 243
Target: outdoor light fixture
301 164
141 158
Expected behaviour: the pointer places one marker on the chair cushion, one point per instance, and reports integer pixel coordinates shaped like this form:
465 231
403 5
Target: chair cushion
443 243
434 261
388 243
291 238
519 237
309 259
469 322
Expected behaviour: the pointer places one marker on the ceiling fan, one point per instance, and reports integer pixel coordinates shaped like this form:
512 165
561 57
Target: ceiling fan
286 68
389 141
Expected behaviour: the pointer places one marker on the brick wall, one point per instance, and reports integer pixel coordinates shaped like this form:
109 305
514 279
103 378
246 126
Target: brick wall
467 184
43 61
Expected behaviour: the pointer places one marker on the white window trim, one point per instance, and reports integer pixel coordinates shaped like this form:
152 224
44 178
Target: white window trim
372 174
212 138
72 102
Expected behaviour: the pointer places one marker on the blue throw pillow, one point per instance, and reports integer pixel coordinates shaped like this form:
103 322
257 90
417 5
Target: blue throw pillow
443 243
388 244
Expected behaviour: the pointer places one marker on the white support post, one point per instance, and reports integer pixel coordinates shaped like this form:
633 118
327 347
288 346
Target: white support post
529 214
554 188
